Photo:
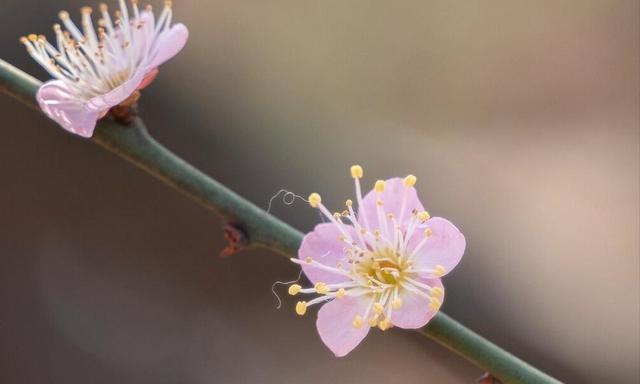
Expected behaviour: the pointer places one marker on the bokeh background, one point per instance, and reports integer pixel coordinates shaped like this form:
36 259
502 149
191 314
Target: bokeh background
519 118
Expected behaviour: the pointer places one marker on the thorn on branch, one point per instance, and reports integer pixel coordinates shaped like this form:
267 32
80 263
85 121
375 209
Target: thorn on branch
488 378
236 239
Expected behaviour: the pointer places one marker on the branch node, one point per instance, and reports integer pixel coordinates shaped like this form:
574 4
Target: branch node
236 238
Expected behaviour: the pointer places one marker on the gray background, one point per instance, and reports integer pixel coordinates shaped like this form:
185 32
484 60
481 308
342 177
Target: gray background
520 120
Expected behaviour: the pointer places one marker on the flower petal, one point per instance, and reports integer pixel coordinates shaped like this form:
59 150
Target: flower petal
324 246
103 103
415 311
57 102
392 197
148 79
167 45
335 324
444 247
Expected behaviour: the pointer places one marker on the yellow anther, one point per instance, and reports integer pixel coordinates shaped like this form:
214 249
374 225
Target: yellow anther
410 181
439 271
435 304
357 321
356 172
32 37
336 215
24 40
103 7
63 15
424 216
321 288
428 232
294 289
308 259
86 10
168 3
373 321
341 293
348 203
380 203
384 324
397 303
379 186
437 292
314 200
378 308
301 308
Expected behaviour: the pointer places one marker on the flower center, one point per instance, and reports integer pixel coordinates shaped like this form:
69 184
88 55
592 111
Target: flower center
383 266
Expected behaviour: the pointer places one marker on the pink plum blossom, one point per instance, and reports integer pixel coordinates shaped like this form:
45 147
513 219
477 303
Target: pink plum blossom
97 69
379 267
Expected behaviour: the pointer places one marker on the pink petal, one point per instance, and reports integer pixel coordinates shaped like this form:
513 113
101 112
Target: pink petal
168 44
392 197
444 247
335 324
57 102
323 245
117 95
148 78
415 311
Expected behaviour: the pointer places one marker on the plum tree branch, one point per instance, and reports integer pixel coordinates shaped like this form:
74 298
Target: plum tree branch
133 143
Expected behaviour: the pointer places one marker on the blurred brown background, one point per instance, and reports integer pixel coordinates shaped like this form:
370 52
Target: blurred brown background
520 120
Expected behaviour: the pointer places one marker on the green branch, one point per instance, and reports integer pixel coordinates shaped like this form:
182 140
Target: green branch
133 143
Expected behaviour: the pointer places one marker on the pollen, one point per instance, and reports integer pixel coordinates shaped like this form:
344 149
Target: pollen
321 288
314 200
378 308
294 289
428 232
373 321
384 324
423 216
379 186
410 180
397 303
301 308
439 271
356 172
348 203
357 321
437 292
341 293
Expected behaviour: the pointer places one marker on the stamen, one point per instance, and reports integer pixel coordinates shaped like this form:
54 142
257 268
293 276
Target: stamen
321 288
294 289
315 200
357 322
410 181
385 324
301 308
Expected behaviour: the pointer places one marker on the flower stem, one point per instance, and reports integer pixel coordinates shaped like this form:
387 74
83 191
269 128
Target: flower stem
133 143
